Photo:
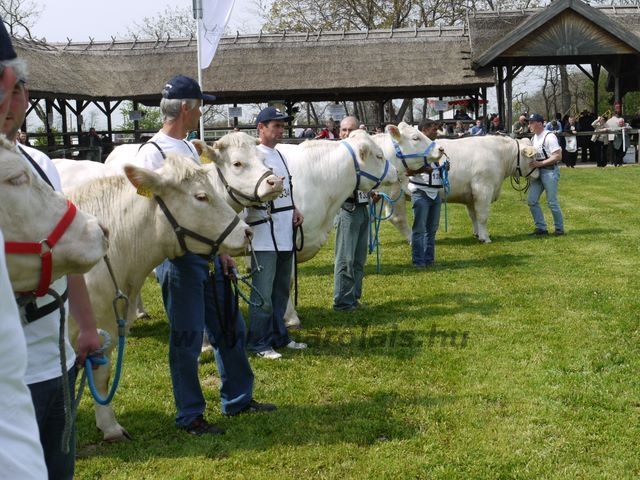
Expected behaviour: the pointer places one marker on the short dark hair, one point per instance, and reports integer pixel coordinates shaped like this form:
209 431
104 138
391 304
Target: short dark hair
426 123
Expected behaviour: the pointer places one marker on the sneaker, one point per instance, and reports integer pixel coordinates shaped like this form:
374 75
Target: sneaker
539 232
201 427
558 233
271 354
254 407
296 345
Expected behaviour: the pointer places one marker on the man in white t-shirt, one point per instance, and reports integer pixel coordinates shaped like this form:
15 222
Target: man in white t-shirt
273 226
41 320
548 155
188 289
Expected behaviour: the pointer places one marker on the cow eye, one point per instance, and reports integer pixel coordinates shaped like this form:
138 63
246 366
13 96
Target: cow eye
201 197
237 164
21 179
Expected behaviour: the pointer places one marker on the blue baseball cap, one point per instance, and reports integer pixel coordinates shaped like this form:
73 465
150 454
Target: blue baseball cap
6 47
181 87
536 117
271 113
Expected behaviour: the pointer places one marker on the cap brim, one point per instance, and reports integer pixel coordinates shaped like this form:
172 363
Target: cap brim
208 98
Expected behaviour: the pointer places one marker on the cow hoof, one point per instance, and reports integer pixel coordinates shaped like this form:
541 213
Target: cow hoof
293 324
120 435
142 315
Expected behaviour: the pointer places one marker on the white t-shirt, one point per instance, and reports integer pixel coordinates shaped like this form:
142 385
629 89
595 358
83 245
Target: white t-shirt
427 182
20 451
282 232
150 157
43 335
545 142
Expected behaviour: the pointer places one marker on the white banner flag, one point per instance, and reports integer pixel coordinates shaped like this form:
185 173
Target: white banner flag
215 16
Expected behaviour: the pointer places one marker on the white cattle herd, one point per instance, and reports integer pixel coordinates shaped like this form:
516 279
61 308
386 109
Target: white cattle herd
140 209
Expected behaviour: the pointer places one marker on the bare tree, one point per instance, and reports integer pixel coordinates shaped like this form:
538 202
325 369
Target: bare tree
174 22
19 16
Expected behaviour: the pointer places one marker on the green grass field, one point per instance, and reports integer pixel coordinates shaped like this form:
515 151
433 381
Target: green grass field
539 381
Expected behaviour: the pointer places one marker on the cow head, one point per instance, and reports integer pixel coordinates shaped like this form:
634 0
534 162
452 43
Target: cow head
191 199
29 212
375 169
241 170
525 155
408 147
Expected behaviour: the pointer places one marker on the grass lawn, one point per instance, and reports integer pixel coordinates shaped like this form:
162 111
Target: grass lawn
517 359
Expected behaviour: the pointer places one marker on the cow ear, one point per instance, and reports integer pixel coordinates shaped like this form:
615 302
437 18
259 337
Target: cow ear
145 181
363 152
199 144
208 154
393 131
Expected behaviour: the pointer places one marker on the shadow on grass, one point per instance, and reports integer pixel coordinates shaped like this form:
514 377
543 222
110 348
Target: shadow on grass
368 421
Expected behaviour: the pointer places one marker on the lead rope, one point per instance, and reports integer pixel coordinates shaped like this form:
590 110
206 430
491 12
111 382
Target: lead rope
375 220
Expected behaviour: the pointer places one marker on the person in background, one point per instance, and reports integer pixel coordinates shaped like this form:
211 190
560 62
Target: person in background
521 127
327 132
478 129
272 245
548 155
187 287
425 185
570 153
600 138
620 142
352 233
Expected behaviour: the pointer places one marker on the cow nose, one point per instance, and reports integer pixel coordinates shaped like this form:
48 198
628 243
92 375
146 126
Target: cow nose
105 230
278 180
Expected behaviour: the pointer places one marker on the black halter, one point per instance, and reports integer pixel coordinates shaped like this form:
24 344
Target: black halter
232 191
182 232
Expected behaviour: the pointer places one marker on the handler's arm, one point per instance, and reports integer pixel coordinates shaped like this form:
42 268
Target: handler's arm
80 309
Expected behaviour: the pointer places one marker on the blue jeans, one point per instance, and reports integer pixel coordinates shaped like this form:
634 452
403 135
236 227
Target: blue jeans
548 182
48 402
266 323
188 296
352 233
426 220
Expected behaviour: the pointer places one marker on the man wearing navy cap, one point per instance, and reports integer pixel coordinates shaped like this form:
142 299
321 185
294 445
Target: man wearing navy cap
187 288
272 244
548 156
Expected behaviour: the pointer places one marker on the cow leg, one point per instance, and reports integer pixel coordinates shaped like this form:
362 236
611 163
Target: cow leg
291 319
399 216
141 313
106 421
481 218
471 211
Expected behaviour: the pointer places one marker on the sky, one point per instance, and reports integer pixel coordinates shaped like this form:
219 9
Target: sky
99 19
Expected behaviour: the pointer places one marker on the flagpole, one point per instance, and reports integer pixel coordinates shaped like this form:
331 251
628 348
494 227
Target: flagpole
197 15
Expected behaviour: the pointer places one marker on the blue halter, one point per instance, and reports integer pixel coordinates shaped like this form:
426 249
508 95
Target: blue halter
403 157
360 173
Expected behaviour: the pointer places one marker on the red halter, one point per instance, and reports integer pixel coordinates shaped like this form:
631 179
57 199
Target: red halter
44 248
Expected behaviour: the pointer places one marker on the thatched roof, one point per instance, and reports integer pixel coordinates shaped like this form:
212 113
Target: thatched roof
360 65
567 32
380 64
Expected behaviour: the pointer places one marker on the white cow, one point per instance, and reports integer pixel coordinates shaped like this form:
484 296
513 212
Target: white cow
29 212
240 176
141 236
403 145
478 167
324 174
